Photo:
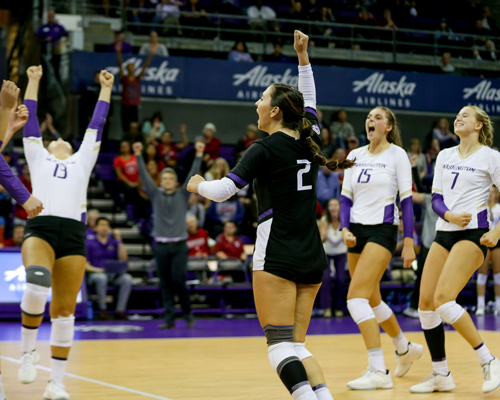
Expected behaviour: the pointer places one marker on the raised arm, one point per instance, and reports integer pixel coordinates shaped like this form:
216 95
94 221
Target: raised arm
18 118
120 61
185 140
195 167
8 101
148 185
32 128
146 63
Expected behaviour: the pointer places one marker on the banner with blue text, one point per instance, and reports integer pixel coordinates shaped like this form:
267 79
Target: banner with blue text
200 78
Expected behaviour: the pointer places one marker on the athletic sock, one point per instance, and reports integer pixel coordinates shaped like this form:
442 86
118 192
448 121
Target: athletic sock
28 338
484 354
400 343
441 367
322 393
481 302
57 368
303 391
376 359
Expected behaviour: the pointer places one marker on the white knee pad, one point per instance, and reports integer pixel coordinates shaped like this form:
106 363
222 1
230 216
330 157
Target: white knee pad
34 300
496 278
450 312
382 312
482 279
302 352
62 332
429 319
360 310
281 354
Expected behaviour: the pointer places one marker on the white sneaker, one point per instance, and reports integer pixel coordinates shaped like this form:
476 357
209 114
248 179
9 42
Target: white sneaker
372 380
55 391
480 311
27 370
406 360
435 383
491 374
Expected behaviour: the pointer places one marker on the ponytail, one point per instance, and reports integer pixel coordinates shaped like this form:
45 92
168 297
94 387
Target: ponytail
306 133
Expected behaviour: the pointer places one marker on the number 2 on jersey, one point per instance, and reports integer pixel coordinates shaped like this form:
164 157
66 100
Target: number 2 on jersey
302 171
60 173
366 177
455 179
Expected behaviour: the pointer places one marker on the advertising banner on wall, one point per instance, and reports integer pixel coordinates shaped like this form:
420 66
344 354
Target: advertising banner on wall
200 78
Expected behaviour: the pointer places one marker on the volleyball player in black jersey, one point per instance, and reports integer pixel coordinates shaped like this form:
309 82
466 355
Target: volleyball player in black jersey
289 259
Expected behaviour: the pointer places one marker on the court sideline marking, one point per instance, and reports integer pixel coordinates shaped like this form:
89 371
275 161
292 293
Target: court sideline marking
82 378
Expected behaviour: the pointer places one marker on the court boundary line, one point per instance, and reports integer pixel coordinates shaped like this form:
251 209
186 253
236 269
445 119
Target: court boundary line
82 378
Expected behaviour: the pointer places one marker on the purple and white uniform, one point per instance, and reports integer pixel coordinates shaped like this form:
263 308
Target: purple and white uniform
463 185
61 185
370 189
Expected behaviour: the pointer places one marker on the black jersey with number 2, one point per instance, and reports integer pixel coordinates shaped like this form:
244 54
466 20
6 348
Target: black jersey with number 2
284 176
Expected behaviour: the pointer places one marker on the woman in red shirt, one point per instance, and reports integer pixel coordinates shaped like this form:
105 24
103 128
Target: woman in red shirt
125 165
212 144
228 244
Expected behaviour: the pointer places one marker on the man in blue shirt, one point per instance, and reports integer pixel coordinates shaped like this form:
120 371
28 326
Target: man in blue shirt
327 187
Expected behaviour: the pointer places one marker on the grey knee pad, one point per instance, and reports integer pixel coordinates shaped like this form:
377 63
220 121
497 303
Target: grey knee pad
40 276
278 334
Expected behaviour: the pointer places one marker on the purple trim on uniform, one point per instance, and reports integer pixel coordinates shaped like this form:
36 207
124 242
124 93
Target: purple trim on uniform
12 184
59 358
84 217
438 205
482 220
237 179
31 129
478 347
389 214
321 385
298 385
29 327
265 214
312 111
345 212
407 209
99 118
438 360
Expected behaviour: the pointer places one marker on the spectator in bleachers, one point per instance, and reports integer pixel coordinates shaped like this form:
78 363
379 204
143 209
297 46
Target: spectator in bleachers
14 165
340 154
154 173
432 154
134 134
49 36
328 142
196 17
154 46
277 54
251 135
415 151
212 144
119 44
239 52
297 12
446 65
488 21
336 253
228 245
168 13
481 31
442 133
196 208
171 253
198 238
125 165
153 127
218 213
260 16
231 7
365 18
325 17
327 186
20 215
352 143
388 22
167 150
102 248
141 14
444 34
131 88
47 129
490 51
219 170
92 217
151 154
17 237
341 129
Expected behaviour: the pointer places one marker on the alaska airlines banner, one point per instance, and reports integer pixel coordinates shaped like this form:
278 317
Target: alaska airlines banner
199 78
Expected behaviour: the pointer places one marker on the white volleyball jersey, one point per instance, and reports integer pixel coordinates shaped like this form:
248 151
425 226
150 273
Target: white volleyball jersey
494 215
374 182
334 243
61 185
465 184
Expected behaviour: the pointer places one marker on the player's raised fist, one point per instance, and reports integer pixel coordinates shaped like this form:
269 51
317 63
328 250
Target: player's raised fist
8 95
300 41
106 78
35 72
137 148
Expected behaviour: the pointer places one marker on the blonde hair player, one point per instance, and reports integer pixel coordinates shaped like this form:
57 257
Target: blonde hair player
289 258
369 224
462 180
13 118
54 242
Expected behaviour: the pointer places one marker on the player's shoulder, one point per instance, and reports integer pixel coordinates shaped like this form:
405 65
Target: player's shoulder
448 153
492 153
357 152
398 150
